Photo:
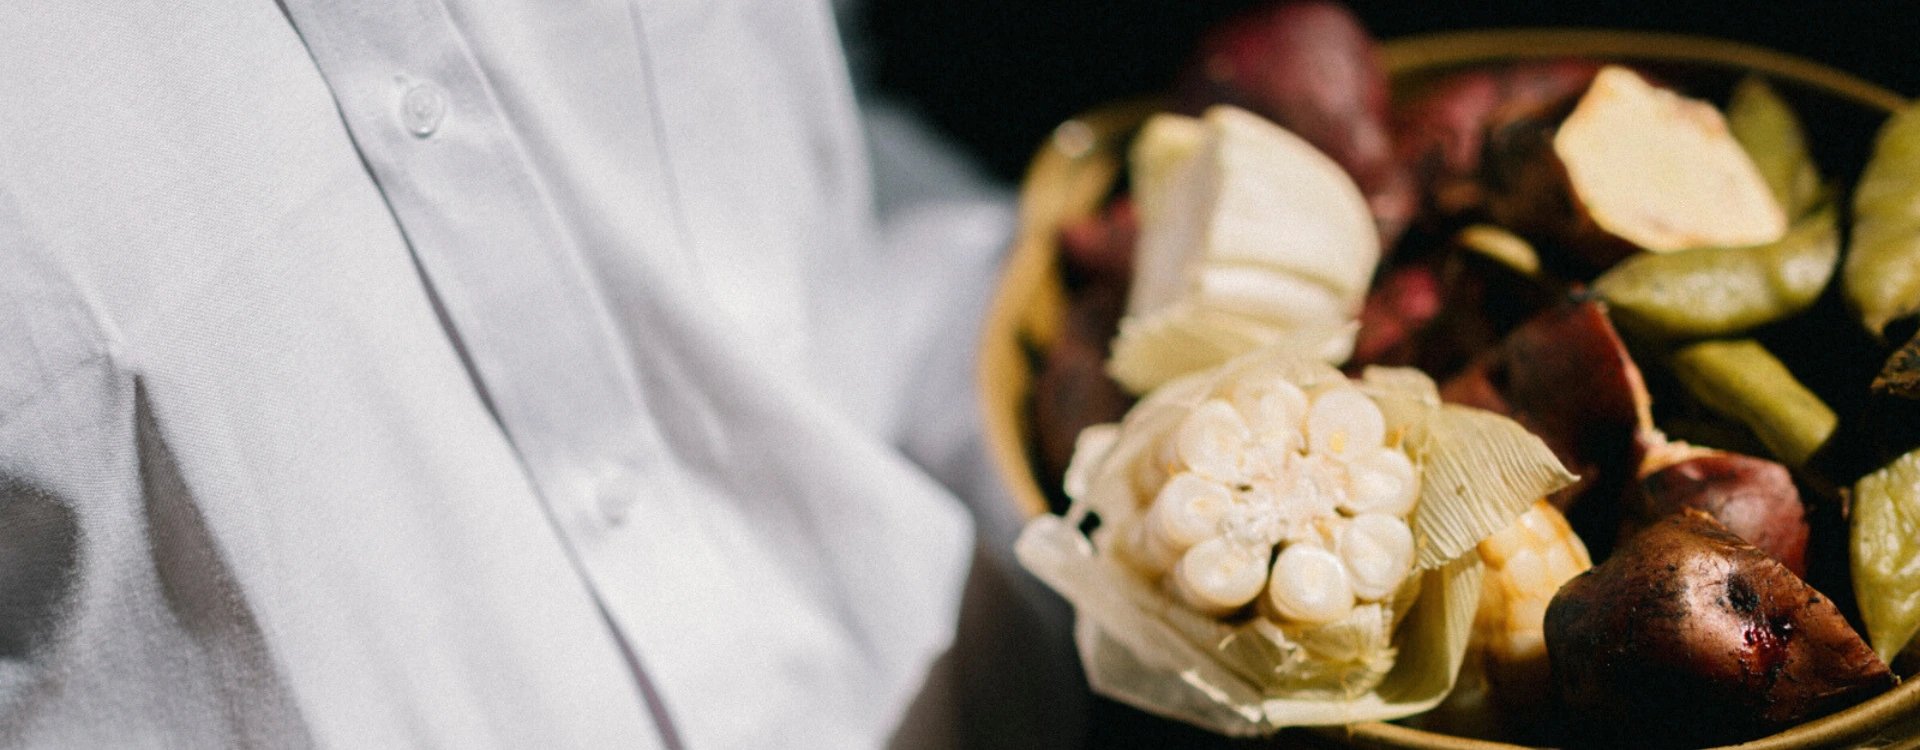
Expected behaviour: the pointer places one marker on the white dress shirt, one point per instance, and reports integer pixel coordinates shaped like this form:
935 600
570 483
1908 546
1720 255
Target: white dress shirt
467 374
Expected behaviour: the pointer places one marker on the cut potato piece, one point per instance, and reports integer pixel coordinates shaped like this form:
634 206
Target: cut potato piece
1630 167
1662 171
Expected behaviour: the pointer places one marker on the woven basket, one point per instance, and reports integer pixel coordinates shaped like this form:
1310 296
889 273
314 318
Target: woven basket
1075 169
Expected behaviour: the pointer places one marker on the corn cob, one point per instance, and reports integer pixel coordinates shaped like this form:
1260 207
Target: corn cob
1505 680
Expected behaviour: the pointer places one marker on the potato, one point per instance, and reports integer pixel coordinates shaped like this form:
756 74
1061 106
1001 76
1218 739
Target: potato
1311 67
1072 389
1101 247
1631 167
1753 497
1690 636
1483 299
1437 313
1566 376
1401 303
1440 135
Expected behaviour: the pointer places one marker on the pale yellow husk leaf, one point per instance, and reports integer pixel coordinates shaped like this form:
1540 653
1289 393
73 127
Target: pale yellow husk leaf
1249 237
1141 647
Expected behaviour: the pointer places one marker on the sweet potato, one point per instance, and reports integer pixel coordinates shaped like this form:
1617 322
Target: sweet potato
1567 377
1630 167
1311 67
1440 134
1072 390
1401 303
1753 497
1690 636
1483 299
1438 312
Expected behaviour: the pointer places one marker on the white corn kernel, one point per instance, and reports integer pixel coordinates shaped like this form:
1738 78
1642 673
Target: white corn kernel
1377 550
1343 422
1188 510
1144 550
1212 440
1217 576
1309 586
1381 481
1274 409
1271 403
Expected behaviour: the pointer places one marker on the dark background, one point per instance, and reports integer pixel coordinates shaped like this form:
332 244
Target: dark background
997 75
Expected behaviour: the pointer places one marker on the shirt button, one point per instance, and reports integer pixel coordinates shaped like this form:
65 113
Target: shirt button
422 109
615 498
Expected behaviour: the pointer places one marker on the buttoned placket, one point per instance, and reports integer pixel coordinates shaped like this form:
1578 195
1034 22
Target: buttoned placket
494 254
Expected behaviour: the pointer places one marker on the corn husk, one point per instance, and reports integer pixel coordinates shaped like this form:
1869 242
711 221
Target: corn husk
1249 237
1246 676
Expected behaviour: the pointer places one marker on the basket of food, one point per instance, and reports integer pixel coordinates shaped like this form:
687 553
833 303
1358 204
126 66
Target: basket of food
1477 390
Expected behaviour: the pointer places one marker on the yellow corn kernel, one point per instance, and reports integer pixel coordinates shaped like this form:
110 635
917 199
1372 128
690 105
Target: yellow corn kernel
1527 563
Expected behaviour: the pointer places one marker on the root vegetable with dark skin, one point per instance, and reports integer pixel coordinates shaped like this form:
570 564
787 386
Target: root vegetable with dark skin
1566 376
1689 636
1311 67
1438 313
1629 167
1753 497
1440 134
1072 390
1482 301
1399 306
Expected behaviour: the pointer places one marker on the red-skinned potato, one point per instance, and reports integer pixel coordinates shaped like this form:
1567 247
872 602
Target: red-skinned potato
1630 166
1754 498
1689 636
1402 302
1441 133
1566 376
1438 312
1072 389
1311 67
1483 299
1101 247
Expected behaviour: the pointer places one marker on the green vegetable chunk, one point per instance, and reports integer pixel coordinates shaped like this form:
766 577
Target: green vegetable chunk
1881 276
1724 291
1886 568
1766 127
1743 381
